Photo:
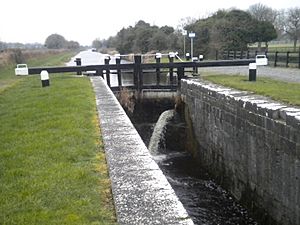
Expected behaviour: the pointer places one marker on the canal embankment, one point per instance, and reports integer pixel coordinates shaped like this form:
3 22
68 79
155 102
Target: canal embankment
250 144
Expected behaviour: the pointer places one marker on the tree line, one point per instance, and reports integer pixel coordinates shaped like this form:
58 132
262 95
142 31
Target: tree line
53 41
232 29
142 38
57 41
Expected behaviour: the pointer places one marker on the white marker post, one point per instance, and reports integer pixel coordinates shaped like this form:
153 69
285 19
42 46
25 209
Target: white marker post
45 78
260 60
252 72
192 36
184 33
158 55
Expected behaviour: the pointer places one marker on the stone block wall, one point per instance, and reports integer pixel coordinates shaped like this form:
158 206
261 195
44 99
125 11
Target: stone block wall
250 144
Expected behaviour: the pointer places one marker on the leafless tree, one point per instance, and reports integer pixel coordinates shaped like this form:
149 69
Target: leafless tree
292 24
264 13
184 22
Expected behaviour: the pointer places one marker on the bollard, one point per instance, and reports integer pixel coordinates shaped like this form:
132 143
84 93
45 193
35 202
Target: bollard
158 57
195 68
187 56
252 72
45 78
78 63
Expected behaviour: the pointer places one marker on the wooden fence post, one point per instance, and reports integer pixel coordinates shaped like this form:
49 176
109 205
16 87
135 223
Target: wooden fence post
217 54
138 73
276 58
266 53
248 54
234 54
287 59
107 72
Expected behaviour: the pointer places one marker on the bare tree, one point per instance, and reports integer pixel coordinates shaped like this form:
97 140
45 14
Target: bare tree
292 24
185 22
265 14
279 23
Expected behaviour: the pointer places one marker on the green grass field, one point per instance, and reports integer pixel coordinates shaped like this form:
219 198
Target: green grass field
281 47
8 79
52 164
277 90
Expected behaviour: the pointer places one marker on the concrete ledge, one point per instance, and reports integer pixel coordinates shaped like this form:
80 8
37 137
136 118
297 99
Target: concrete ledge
142 194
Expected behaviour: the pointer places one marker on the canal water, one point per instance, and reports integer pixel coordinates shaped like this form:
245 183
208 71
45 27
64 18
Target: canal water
89 57
206 202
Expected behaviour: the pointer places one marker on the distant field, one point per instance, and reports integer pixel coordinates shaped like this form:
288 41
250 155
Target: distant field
280 47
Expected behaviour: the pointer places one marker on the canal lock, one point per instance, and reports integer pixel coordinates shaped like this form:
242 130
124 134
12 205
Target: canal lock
205 201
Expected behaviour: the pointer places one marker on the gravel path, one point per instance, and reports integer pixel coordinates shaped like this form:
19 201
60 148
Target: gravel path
284 74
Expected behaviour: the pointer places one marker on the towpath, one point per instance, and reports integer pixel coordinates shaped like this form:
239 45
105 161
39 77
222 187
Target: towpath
284 74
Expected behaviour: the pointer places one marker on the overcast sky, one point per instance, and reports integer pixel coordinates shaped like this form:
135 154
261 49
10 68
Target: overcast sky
29 21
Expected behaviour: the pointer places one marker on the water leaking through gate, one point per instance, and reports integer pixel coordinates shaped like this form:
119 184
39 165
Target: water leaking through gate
205 201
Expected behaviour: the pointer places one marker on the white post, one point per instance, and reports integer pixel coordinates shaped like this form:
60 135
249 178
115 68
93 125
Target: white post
192 35
184 33
191 47
252 72
45 78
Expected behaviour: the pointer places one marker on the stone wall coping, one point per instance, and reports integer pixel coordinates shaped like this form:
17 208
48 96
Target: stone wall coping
250 101
141 192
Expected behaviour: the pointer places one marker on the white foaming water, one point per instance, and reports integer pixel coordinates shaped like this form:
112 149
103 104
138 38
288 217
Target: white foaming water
158 136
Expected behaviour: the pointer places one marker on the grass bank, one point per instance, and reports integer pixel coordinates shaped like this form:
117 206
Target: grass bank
52 164
277 90
51 58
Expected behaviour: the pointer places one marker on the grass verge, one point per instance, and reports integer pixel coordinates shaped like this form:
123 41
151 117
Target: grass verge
8 79
52 164
277 90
